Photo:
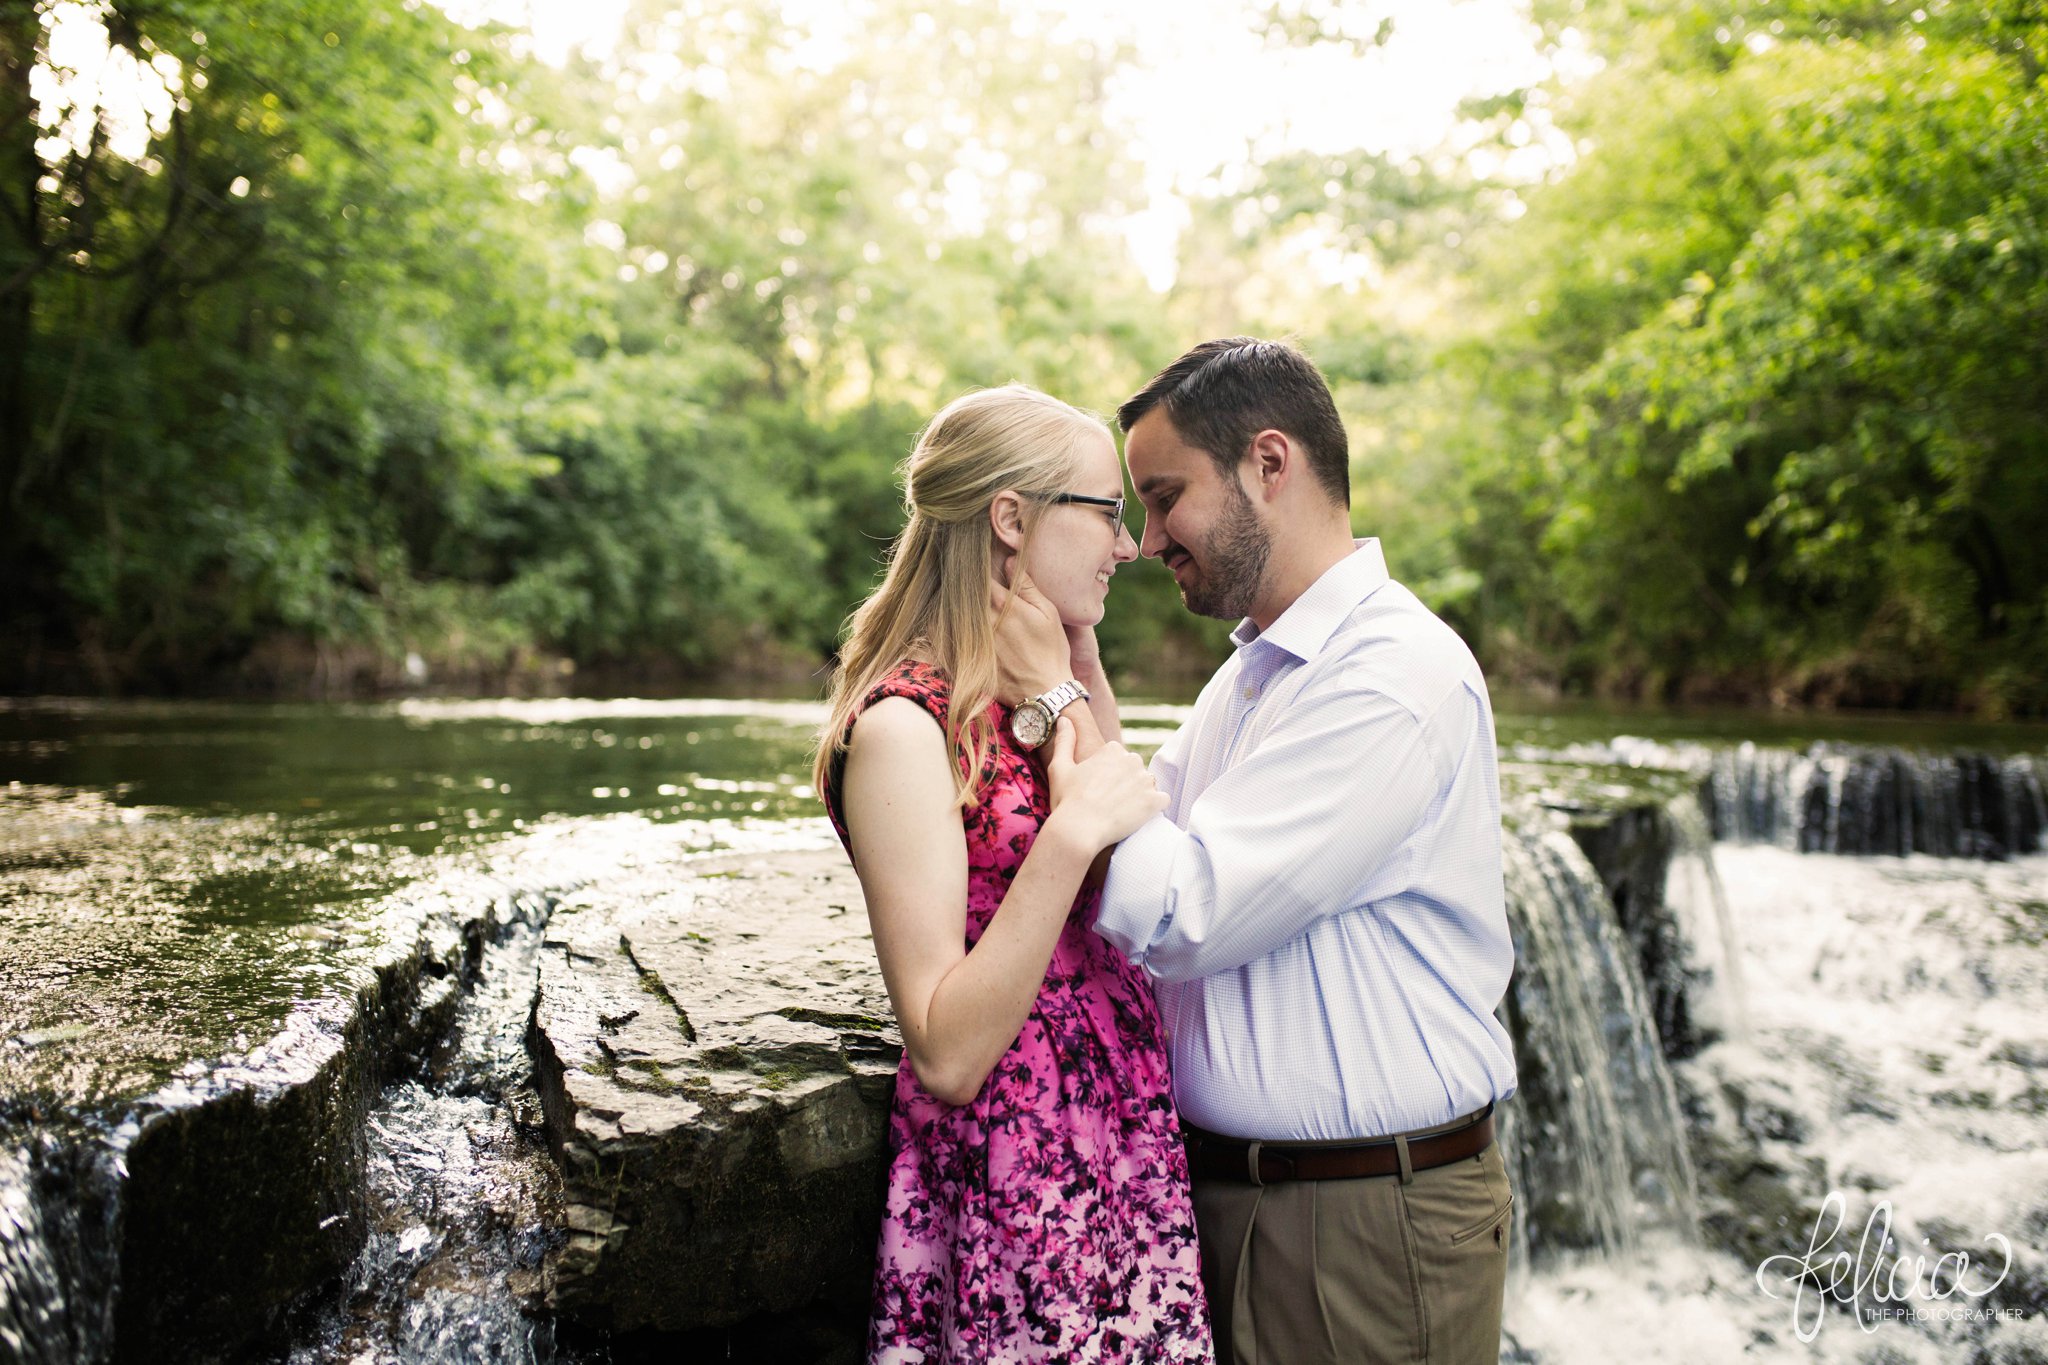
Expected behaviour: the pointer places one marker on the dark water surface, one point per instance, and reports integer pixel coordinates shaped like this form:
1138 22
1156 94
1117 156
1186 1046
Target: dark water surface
429 776
423 777
177 878
179 882
1558 723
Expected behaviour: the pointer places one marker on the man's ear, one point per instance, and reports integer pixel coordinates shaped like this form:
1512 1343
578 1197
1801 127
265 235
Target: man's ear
1006 519
1272 461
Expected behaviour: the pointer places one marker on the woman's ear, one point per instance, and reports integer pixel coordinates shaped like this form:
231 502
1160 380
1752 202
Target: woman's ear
1006 519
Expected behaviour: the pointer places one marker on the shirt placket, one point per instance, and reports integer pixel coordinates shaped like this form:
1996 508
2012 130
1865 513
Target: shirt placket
1255 671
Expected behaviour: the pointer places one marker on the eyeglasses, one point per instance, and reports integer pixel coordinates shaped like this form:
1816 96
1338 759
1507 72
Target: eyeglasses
1116 505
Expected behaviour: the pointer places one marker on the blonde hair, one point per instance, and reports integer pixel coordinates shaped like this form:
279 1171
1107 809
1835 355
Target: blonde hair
933 602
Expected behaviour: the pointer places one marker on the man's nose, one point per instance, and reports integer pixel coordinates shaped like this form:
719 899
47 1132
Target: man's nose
1152 541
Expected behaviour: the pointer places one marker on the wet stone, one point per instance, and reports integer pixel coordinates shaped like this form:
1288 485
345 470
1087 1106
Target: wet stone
186 1165
714 1051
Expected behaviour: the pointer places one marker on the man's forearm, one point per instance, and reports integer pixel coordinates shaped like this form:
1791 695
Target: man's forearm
1230 884
1101 699
1088 736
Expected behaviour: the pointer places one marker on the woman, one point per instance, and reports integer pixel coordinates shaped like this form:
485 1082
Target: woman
1038 1203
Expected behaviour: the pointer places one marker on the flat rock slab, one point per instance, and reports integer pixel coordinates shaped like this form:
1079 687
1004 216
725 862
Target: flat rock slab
715 1053
195 1018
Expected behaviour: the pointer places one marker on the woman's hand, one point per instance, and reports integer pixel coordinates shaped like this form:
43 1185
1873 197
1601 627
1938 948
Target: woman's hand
1103 798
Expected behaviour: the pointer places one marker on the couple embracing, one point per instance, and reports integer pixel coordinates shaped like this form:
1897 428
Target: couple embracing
1200 1060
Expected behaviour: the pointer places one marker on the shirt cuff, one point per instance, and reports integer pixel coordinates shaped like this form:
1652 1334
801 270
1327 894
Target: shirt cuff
1137 894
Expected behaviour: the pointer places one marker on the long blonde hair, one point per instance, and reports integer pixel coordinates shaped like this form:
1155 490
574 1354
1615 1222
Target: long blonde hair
933 602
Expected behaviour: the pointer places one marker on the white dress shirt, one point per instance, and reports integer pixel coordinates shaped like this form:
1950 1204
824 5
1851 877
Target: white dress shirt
1320 904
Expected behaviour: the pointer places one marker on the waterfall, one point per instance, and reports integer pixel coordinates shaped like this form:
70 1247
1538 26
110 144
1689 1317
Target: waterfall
57 1217
1595 1138
1857 799
1705 924
1850 798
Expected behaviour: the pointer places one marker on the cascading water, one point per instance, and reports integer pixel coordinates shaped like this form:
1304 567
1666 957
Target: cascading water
1705 923
1893 1061
1854 799
56 1249
459 1188
1596 1137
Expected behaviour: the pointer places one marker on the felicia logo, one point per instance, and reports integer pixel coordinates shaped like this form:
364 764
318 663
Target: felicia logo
1879 1281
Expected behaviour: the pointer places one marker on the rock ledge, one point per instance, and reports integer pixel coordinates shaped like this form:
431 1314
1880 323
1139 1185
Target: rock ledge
715 1053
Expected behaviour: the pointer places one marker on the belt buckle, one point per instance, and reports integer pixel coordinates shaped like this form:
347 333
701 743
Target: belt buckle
1251 1162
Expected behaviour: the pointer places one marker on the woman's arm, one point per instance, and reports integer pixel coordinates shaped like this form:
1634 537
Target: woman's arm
960 1010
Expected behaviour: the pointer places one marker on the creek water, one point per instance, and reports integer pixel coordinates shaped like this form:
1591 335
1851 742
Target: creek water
183 885
1893 1049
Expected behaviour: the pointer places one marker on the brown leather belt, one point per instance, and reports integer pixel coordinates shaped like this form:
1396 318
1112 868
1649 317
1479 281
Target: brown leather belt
1258 1163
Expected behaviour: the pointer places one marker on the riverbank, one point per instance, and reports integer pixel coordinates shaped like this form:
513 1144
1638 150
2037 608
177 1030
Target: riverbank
211 904
685 1137
1168 667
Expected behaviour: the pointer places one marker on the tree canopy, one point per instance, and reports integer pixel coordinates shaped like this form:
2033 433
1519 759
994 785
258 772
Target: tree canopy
385 338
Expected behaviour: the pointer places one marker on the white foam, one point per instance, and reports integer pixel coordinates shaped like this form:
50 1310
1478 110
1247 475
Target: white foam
1897 1035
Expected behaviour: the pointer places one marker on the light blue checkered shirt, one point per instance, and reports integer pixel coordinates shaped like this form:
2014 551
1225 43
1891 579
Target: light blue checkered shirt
1321 905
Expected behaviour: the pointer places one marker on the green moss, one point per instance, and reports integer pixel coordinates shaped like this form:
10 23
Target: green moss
652 984
867 1023
782 1077
648 1076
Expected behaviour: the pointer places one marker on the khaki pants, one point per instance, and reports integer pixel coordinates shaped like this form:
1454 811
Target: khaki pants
1358 1272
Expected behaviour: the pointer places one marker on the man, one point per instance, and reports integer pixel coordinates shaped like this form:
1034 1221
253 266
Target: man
1320 906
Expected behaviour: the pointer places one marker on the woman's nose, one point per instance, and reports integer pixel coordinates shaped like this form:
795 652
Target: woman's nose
1126 548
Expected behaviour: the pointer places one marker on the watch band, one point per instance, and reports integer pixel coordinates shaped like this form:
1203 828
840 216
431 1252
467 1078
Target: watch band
1060 698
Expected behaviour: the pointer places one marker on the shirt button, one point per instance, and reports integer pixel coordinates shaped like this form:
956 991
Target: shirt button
1250 693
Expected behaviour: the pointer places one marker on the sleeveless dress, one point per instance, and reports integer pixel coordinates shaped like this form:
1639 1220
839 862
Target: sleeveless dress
1049 1219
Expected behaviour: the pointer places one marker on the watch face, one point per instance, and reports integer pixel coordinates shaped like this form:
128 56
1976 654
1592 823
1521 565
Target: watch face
1029 725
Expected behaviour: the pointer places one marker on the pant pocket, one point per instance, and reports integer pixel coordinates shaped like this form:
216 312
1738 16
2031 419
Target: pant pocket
1484 1225
1483 1196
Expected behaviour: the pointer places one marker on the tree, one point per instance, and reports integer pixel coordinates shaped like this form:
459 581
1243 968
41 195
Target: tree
264 354
1770 342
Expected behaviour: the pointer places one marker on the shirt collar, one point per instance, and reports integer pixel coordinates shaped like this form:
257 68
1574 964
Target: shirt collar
1306 626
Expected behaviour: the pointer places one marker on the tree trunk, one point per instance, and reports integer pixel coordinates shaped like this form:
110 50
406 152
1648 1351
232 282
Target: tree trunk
21 244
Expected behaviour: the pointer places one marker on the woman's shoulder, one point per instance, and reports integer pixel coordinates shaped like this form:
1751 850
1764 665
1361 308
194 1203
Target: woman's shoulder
913 679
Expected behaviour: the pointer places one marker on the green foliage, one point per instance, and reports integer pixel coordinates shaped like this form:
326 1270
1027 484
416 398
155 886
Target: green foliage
1803 435
357 355
1747 403
369 353
667 526
268 358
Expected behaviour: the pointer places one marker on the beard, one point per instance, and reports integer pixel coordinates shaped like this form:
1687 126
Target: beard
1231 564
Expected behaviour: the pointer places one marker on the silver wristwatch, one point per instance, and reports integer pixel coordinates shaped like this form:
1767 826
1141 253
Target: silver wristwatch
1031 723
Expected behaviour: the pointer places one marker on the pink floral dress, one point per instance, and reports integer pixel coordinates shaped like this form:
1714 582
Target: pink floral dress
1048 1219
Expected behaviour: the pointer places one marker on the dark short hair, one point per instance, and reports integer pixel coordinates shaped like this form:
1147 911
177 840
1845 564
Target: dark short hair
1223 393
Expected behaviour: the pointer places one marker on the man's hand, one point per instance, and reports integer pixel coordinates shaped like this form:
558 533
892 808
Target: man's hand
1032 653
